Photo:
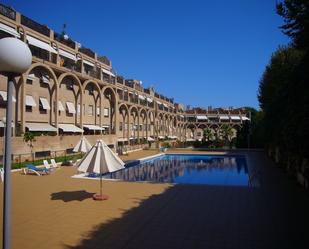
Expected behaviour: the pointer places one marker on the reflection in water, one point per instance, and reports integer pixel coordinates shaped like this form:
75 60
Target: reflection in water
193 169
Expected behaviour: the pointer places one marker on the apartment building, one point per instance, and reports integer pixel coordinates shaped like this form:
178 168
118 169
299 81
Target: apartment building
70 90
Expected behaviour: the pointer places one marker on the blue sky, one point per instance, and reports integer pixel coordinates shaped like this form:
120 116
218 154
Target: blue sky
218 49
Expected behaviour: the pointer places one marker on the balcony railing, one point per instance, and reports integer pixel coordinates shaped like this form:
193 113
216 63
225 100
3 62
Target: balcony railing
104 60
68 42
7 12
129 84
42 29
120 80
87 51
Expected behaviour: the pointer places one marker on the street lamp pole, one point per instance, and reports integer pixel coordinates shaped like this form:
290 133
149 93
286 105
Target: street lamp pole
15 59
7 165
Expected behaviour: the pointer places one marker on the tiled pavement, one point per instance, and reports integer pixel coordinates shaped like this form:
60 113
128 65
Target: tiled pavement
275 215
139 215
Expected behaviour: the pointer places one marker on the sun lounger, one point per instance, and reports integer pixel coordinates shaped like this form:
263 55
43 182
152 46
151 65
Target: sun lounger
54 164
47 165
30 168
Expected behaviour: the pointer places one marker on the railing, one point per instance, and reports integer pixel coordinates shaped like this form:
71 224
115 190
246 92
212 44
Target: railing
129 84
68 42
42 29
7 12
120 80
146 90
94 74
87 51
104 60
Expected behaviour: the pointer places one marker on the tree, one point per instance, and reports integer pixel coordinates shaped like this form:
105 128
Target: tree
208 134
295 14
29 138
226 132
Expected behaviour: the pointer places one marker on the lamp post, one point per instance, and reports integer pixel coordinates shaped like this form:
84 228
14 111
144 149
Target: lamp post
15 59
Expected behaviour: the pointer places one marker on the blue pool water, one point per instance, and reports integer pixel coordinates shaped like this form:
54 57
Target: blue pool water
188 169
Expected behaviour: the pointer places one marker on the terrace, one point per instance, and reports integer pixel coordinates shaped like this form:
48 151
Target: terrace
271 216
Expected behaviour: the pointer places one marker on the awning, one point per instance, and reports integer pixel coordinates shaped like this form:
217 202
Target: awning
235 117
2 124
105 126
60 106
224 117
45 104
9 30
93 127
70 128
4 96
67 55
173 137
150 139
40 127
141 97
150 100
122 139
108 72
201 117
71 107
88 63
31 76
30 101
159 103
161 137
182 116
165 105
244 118
190 139
40 44
45 79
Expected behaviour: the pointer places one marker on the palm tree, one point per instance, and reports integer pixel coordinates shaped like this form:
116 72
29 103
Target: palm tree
29 138
208 134
226 132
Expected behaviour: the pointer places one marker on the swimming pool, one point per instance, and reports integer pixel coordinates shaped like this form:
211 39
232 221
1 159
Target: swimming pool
188 169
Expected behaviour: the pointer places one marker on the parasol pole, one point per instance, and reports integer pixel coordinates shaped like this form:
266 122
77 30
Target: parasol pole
100 184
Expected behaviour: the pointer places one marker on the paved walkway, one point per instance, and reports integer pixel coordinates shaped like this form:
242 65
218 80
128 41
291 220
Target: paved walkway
57 211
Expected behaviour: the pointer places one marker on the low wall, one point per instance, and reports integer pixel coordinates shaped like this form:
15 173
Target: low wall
53 143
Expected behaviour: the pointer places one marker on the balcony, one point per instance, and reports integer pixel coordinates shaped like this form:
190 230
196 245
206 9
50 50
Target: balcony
87 51
42 29
68 42
129 83
7 12
120 80
104 60
95 74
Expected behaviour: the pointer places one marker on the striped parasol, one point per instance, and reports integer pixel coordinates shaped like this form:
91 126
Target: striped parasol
82 146
100 159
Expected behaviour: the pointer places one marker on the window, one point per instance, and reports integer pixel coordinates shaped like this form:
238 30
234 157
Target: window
90 110
98 111
84 109
120 126
106 112
28 108
29 82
